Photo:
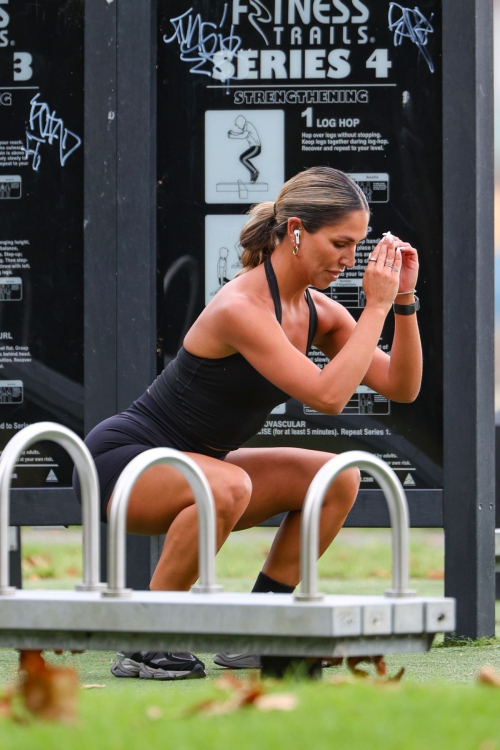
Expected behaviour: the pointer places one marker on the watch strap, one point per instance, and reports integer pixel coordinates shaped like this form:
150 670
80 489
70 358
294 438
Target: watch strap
410 309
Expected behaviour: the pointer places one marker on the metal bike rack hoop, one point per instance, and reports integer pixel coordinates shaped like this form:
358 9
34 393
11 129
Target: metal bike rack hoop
89 484
310 524
118 518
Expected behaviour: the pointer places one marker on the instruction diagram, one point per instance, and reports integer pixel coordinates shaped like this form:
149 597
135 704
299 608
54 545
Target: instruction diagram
222 251
374 186
349 292
11 392
10 186
11 289
362 402
244 155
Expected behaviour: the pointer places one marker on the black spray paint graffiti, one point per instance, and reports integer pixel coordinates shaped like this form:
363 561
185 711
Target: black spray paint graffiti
45 127
205 43
413 25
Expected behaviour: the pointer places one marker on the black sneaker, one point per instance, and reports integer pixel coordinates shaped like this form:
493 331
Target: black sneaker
127 664
153 665
237 661
168 666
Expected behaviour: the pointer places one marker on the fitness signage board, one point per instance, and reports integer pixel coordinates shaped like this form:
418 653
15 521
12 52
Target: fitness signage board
41 232
250 92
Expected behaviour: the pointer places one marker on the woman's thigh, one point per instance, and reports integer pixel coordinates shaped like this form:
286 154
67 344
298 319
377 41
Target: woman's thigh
280 479
161 493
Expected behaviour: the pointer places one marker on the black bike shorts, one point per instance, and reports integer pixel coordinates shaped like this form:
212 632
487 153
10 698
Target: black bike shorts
116 441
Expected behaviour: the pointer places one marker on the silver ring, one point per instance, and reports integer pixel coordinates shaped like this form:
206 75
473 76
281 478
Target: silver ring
374 260
391 265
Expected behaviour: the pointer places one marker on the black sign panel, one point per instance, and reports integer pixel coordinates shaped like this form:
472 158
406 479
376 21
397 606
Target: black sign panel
250 92
41 232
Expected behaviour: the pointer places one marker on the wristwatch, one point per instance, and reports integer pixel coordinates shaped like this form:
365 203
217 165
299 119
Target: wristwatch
410 309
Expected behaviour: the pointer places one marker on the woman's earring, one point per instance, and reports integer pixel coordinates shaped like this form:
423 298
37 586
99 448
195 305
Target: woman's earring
295 250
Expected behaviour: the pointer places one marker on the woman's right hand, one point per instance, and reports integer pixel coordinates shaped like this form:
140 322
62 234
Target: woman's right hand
381 279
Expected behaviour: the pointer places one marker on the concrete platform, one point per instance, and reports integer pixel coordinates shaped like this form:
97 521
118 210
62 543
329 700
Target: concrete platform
266 624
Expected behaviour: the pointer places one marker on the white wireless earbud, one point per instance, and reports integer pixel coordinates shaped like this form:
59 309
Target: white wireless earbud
297 236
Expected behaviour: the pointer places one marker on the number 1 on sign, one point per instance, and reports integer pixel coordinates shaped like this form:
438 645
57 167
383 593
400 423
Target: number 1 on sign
308 114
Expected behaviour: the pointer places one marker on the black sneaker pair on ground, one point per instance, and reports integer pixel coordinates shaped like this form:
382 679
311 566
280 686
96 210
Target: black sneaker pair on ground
159 665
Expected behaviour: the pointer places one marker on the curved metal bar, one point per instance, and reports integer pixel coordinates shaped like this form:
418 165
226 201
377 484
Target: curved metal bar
118 518
185 261
398 513
89 483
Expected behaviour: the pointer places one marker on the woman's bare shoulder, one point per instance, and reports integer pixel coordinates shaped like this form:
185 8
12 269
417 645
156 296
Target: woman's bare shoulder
331 314
239 301
248 290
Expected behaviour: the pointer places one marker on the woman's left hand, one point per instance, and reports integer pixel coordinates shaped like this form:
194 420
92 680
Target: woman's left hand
409 267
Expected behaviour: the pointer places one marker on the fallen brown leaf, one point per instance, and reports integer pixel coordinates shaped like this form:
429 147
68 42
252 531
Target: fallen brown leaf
488 745
277 702
6 702
398 676
47 692
241 693
229 681
154 713
489 676
381 573
341 680
37 560
380 667
354 661
435 575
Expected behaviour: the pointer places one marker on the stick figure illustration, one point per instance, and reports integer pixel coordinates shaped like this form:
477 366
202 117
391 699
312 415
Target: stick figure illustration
239 250
221 269
245 130
367 189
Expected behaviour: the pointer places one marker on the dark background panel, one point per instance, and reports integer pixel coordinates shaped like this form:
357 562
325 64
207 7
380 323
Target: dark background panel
407 114
45 225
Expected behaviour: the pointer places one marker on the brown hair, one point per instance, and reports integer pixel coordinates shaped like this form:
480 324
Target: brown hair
318 196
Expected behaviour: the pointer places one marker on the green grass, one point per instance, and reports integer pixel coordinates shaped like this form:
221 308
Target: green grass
341 716
438 704
355 555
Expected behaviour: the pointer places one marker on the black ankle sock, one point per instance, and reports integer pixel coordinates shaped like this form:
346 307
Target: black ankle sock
266 585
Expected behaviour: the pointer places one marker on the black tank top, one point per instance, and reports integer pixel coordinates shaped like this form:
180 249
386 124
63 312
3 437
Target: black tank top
221 402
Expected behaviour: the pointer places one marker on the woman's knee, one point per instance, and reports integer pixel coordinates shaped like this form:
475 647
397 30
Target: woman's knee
232 494
344 490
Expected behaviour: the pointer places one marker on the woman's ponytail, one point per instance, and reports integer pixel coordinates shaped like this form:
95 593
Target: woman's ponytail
258 238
